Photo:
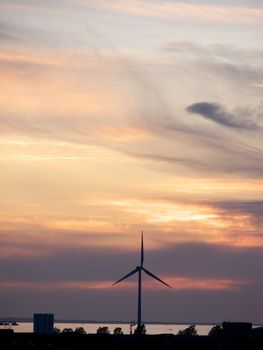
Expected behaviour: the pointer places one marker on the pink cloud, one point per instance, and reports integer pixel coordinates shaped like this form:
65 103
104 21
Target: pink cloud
177 283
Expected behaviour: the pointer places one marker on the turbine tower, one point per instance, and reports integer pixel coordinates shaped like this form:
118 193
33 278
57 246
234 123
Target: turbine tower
139 269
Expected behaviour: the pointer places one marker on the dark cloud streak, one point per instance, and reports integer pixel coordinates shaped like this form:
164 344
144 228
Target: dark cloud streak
218 114
191 260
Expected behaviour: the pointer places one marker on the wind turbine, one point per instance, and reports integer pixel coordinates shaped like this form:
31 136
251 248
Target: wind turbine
139 269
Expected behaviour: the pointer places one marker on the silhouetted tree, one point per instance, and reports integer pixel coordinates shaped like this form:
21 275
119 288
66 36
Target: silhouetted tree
191 330
56 330
103 330
140 329
80 330
67 330
215 331
118 330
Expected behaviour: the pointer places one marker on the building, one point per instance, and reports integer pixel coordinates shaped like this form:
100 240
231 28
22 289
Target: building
237 329
43 323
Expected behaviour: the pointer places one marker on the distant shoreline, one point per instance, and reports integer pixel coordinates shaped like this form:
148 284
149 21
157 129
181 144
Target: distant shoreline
30 320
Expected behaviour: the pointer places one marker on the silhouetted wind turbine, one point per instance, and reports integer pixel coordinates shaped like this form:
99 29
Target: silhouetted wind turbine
139 269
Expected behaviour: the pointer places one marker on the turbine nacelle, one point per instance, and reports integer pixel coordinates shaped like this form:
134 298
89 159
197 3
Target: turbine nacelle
141 268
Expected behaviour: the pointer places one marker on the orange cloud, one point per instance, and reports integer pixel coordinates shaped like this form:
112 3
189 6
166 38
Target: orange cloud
56 76
88 106
158 211
99 221
258 85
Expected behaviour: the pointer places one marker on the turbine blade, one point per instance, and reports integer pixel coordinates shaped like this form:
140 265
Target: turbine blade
142 251
155 277
129 274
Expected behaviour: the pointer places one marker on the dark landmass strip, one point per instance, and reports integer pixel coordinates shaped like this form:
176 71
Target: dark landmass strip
72 341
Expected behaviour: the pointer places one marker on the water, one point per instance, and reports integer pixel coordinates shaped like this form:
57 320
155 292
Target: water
92 327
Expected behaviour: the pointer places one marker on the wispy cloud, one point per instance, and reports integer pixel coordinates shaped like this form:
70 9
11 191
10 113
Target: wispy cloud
141 114
171 10
27 5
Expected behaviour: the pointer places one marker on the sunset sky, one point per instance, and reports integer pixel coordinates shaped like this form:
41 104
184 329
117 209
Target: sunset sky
123 115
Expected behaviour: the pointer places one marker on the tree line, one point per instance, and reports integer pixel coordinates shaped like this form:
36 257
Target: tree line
188 331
